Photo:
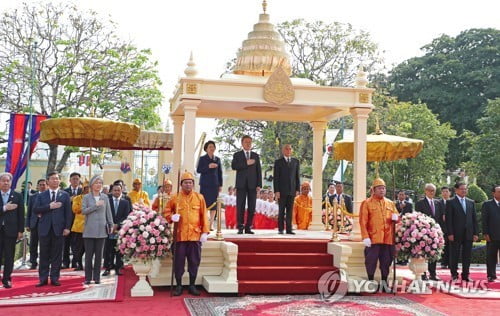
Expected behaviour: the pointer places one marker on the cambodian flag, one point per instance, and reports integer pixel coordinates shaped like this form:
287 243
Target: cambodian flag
17 154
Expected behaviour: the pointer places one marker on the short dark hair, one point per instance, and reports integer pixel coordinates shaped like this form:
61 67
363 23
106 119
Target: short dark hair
75 174
208 143
339 182
52 173
245 137
115 185
331 183
41 180
399 191
119 181
459 184
494 188
445 188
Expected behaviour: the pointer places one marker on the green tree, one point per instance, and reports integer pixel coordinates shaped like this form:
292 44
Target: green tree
413 121
82 67
483 160
329 54
455 78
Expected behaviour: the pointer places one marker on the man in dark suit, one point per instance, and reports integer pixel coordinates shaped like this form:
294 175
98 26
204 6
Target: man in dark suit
11 225
462 229
430 207
248 179
341 196
402 204
286 183
491 230
32 223
54 206
120 208
73 190
445 197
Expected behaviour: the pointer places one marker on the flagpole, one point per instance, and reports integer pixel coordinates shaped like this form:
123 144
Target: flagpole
28 148
30 119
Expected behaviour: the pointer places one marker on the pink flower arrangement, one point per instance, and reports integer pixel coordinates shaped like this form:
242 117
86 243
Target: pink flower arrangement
419 236
144 235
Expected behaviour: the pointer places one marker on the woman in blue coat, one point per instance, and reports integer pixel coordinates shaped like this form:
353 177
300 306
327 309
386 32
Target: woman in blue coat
210 170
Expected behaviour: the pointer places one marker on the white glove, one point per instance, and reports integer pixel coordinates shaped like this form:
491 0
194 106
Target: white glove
395 217
204 237
367 242
176 217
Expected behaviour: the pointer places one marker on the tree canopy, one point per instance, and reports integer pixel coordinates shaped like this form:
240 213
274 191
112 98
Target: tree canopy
455 77
81 67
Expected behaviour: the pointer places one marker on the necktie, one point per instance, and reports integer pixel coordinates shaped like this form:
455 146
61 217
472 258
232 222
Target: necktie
462 200
432 208
53 199
116 206
74 192
248 155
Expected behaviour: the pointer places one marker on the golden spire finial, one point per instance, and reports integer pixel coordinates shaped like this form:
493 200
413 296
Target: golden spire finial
264 6
378 131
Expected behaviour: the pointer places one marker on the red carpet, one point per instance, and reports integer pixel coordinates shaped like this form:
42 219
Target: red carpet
281 266
72 290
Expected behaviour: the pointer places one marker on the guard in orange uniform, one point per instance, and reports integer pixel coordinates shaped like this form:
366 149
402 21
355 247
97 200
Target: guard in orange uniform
302 207
189 211
375 218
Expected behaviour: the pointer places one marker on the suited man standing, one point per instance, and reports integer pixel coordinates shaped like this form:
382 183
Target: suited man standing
491 231
341 196
73 190
11 225
248 180
32 223
432 208
462 229
120 208
445 197
54 208
402 204
286 185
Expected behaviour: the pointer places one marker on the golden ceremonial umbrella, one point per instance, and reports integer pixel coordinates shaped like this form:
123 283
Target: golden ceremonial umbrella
88 132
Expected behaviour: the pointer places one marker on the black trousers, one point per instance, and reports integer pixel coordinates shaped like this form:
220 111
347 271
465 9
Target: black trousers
285 212
190 250
93 258
445 260
33 245
112 257
7 250
77 249
431 266
243 195
492 249
51 247
66 250
455 246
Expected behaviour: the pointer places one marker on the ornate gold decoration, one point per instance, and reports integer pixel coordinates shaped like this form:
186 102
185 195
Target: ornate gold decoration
191 88
364 98
278 88
263 51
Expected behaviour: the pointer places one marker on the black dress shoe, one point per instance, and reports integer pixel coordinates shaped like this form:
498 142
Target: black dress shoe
424 277
490 279
280 232
97 282
42 283
467 279
290 233
118 272
64 266
248 231
86 282
434 278
193 290
79 268
7 285
34 266
105 273
178 290
240 231
55 283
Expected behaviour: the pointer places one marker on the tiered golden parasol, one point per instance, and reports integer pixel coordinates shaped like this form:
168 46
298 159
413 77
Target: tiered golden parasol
88 132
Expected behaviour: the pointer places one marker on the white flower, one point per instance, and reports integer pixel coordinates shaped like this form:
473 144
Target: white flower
152 240
143 220
161 228
142 227
145 234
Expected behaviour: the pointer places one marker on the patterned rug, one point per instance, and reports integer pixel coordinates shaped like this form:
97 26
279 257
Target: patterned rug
306 305
72 290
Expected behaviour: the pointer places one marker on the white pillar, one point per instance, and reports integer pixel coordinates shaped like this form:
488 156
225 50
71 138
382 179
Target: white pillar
360 116
317 189
190 107
178 122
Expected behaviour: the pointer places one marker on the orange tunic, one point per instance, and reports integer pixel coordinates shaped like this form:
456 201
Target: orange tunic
156 203
193 212
135 196
302 211
79 222
375 219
